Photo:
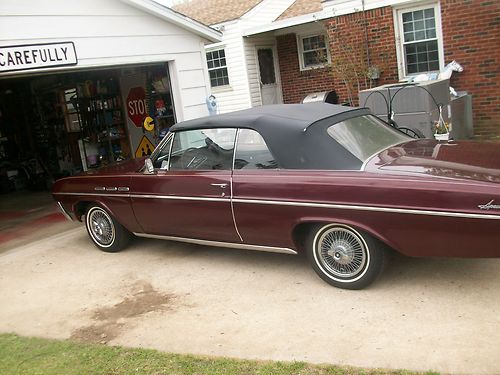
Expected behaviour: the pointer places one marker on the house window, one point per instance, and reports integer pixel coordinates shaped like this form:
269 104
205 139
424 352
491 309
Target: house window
419 30
217 68
313 51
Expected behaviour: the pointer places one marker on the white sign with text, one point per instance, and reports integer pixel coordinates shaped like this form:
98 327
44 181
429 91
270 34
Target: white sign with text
35 56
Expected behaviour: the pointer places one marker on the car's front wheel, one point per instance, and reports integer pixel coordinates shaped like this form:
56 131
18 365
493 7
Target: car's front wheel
106 233
343 256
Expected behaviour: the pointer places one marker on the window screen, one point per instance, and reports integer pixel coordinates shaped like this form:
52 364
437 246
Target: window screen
266 66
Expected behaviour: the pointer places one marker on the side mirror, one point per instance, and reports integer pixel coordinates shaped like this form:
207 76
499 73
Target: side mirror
148 166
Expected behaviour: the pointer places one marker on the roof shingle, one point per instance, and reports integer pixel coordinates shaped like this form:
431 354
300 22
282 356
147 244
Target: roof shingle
211 12
301 7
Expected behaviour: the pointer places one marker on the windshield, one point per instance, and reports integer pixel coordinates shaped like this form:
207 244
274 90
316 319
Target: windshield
365 136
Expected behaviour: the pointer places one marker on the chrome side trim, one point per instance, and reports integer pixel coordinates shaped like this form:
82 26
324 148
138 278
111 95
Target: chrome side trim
301 204
99 188
231 185
242 246
370 208
232 212
64 212
96 194
181 198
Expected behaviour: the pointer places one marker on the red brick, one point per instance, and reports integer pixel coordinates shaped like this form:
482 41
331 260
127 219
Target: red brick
471 36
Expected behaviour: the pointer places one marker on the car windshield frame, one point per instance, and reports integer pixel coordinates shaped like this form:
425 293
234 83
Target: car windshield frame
159 146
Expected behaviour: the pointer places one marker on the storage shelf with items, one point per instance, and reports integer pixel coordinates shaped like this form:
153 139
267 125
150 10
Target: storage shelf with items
159 102
102 125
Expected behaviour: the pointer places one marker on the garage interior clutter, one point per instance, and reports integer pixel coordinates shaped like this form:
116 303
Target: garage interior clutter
61 124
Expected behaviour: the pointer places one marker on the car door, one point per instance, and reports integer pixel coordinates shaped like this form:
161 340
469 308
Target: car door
256 179
189 193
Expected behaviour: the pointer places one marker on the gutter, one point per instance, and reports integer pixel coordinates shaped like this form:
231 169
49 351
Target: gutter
330 11
289 22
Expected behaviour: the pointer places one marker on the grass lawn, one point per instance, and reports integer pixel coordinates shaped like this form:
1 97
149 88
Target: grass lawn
27 355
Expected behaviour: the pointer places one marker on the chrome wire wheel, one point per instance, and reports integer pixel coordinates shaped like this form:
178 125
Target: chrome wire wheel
341 252
100 227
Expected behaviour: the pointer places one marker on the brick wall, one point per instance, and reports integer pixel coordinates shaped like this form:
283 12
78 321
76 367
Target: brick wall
296 84
471 34
347 36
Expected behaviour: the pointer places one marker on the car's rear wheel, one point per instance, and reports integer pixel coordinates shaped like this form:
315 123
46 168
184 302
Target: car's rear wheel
343 256
106 233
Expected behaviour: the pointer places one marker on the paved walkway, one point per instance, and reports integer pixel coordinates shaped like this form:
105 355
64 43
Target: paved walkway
423 314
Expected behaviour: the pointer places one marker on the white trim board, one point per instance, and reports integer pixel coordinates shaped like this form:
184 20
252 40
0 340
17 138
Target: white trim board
157 9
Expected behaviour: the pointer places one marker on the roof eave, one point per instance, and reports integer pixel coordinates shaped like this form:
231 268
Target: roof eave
176 18
288 22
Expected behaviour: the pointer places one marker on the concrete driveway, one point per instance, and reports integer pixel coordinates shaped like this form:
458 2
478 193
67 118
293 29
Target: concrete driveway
423 314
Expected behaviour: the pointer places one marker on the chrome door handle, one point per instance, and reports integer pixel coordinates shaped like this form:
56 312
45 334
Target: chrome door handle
222 186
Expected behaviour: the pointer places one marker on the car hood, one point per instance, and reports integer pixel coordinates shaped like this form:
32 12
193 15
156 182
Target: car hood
467 160
122 167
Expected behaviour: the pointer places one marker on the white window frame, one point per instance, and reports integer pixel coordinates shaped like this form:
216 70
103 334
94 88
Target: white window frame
218 48
300 49
398 27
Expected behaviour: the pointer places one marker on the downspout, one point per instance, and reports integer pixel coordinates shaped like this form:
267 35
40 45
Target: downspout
368 62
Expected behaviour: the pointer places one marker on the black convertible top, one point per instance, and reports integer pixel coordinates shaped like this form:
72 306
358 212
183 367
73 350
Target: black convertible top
282 117
296 134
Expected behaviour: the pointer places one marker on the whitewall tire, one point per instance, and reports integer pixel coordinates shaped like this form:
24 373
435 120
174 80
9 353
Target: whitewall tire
344 256
105 232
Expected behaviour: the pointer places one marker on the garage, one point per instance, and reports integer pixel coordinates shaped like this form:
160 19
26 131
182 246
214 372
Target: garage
78 80
63 123
86 84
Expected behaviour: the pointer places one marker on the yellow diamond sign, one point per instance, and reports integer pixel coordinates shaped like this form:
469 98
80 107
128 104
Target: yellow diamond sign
145 147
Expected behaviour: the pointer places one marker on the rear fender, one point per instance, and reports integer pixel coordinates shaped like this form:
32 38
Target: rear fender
355 224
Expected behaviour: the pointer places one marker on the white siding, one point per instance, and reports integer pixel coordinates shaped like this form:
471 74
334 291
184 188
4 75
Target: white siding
253 65
244 90
264 13
236 96
109 33
340 7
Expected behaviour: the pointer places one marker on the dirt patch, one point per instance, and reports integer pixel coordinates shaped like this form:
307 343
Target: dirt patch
111 320
144 299
98 333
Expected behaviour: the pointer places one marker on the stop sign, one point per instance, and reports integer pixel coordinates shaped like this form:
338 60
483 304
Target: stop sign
136 105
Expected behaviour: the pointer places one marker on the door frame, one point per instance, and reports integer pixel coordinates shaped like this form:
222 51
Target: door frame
277 72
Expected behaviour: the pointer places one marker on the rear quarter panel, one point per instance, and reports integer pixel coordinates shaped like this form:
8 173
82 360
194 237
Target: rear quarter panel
360 199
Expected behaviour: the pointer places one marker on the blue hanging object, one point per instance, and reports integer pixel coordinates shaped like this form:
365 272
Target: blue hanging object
212 105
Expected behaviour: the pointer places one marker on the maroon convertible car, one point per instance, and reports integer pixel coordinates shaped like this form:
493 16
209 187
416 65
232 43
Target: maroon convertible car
334 182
